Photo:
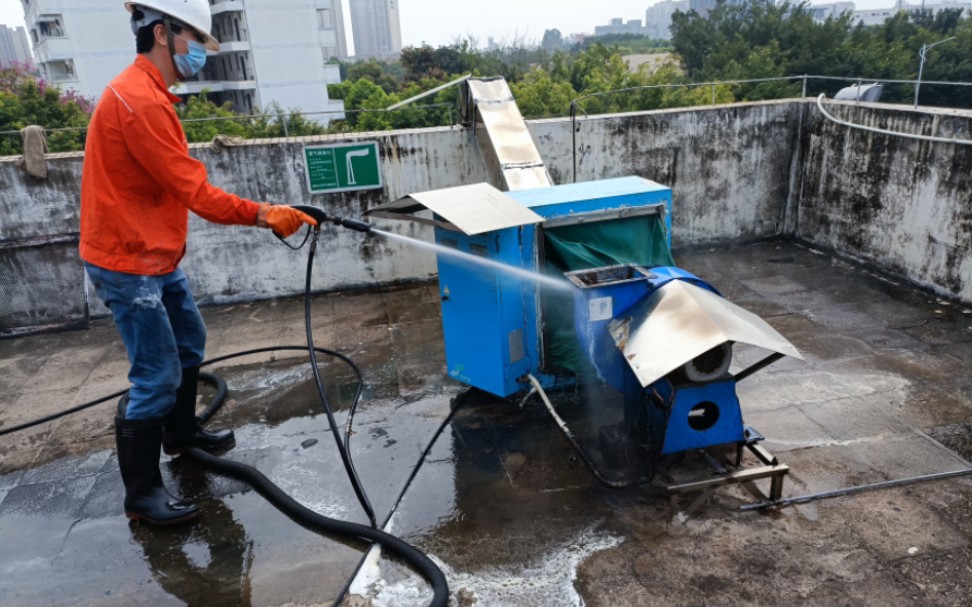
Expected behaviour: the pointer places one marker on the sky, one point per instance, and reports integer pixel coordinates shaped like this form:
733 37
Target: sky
439 22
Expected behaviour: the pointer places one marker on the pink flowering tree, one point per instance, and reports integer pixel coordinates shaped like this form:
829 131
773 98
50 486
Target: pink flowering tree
26 99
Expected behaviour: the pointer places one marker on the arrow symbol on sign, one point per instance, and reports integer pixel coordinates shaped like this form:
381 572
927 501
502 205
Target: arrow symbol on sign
348 157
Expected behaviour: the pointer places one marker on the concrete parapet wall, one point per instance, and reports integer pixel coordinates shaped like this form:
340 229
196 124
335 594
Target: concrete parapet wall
738 172
729 167
903 205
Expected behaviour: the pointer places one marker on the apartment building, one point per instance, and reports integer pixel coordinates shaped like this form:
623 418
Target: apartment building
620 26
377 28
658 17
269 51
14 48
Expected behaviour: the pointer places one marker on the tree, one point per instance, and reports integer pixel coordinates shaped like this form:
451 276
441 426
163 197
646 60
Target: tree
540 96
25 100
761 39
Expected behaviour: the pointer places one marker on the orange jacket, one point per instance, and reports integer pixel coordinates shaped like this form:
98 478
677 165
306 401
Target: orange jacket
139 181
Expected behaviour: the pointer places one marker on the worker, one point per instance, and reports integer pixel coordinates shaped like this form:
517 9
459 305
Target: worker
137 186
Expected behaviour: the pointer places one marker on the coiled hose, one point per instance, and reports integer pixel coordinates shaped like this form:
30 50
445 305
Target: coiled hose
301 515
318 523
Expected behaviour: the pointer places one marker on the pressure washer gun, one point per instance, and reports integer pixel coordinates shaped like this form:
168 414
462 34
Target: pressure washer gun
321 217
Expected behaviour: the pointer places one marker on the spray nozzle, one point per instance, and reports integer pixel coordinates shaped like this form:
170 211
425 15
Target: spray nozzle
352 224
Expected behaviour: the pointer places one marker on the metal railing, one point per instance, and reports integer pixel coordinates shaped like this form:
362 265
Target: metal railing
280 119
575 106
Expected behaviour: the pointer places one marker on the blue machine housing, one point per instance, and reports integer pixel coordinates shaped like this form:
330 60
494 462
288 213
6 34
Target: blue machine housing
673 415
693 416
491 320
601 295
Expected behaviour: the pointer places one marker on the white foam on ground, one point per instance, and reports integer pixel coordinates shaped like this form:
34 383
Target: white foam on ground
548 581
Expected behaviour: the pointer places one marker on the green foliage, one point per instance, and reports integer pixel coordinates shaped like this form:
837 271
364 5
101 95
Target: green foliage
539 96
628 44
197 113
762 39
756 40
202 120
26 100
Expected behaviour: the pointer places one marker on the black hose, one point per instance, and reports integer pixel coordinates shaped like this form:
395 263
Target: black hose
318 523
60 414
217 400
283 502
456 404
345 457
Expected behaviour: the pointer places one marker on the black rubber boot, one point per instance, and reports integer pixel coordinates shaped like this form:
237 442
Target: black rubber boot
182 430
139 444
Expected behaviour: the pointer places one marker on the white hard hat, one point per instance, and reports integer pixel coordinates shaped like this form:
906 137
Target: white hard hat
194 13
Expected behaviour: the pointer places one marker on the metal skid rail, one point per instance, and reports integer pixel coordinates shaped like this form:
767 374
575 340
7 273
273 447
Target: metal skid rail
729 473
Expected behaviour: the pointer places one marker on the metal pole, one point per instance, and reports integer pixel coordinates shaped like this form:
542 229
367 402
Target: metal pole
921 63
804 94
921 66
713 94
573 134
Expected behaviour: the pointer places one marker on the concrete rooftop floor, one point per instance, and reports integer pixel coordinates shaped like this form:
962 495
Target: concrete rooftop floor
503 504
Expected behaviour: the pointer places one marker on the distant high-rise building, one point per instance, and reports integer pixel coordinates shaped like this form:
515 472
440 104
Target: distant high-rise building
658 17
269 51
14 47
822 12
702 7
618 26
877 16
376 28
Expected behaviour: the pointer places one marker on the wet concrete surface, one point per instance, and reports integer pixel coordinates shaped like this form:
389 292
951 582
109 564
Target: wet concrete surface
503 503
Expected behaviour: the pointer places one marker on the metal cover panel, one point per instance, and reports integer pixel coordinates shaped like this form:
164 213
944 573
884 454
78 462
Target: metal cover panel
526 177
472 209
491 89
680 321
508 134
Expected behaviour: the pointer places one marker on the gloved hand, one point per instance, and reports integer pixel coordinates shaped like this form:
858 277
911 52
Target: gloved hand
282 219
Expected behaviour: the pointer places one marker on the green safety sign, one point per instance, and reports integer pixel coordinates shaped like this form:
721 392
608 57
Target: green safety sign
342 167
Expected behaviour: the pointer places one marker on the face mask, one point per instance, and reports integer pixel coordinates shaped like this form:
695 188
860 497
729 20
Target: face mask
193 61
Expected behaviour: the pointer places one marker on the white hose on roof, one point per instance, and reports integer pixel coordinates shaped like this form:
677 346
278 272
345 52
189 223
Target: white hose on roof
885 131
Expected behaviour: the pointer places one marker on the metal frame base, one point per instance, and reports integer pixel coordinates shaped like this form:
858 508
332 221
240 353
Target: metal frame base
729 473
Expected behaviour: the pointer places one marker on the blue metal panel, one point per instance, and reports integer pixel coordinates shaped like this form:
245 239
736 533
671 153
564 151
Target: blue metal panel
485 315
490 319
606 293
717 419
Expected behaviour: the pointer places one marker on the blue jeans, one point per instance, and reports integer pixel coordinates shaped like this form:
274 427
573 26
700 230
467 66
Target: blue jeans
162 329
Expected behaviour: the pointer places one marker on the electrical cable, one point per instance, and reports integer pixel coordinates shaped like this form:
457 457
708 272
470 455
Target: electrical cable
215 380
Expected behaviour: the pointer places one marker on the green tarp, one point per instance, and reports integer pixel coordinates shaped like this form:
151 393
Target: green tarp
637 240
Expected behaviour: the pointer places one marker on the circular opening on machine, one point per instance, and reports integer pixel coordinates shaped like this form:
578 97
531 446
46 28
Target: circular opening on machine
703 416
